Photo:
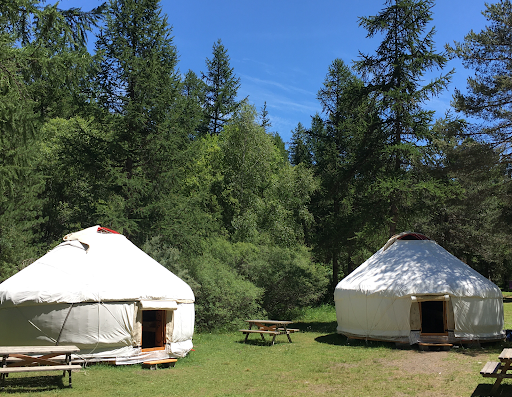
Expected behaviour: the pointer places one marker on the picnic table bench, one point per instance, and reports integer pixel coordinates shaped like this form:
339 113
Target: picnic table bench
17 359
269 327
498 369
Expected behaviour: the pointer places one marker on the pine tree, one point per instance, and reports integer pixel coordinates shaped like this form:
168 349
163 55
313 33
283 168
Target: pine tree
348 153
264 120
300 153
489 94
221 90
138 85
394 75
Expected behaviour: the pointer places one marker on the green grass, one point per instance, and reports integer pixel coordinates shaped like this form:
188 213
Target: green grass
318 363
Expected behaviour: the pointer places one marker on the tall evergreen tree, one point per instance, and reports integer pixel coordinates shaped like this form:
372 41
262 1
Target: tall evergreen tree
221 90
489 94
191 115
395 76
348 158
300 152
264 120
138 85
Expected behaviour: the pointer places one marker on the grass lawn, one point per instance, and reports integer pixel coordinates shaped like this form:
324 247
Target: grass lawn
318 363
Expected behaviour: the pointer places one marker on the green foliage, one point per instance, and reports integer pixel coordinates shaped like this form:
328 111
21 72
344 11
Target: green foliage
300 152
138 87
221 89
170 258
76 163
489 94
42 58
263 198
468 218
225 298
285 279
346 152
395 76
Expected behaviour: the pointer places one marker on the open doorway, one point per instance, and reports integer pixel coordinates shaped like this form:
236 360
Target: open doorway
153 330
433 317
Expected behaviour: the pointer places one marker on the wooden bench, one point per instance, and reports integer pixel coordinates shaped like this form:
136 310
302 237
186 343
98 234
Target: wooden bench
490 369
497 370
269 327
153 364
37 359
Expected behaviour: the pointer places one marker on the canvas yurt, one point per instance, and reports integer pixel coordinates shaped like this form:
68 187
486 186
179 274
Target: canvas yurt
98 291
414 291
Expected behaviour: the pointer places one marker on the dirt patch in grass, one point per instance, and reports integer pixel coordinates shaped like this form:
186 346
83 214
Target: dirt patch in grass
414 362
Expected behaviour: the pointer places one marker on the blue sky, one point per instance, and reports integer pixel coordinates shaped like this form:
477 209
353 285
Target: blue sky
281 50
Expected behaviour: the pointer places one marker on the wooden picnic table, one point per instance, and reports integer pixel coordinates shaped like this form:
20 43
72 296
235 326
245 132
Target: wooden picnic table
37 358
498 369
269 327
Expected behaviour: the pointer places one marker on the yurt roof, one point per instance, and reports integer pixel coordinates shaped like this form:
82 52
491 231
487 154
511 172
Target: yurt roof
418 266
94 265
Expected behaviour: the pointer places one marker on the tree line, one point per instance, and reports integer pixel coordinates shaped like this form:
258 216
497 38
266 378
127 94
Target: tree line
195 176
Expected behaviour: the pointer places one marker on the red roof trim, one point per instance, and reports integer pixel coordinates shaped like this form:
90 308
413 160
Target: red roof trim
105 230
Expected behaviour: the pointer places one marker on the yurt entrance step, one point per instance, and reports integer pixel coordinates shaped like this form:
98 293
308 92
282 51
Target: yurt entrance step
168 362
434 346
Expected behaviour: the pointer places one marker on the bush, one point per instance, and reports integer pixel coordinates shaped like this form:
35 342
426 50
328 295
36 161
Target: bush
225 298
286 278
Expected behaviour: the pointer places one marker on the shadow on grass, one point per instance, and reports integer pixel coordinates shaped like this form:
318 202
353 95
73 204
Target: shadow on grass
332 339
259 342
33 384
484 389
342 340
316 326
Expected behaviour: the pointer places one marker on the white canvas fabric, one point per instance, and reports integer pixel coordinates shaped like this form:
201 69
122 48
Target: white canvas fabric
87 292
375 300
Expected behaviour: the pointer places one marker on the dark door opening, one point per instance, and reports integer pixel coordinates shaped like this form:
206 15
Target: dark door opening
153 329
433 317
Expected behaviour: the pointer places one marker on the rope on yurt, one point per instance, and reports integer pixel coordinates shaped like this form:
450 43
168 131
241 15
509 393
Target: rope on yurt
35 326
63 324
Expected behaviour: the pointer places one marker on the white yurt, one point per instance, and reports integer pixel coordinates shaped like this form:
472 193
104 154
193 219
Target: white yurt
414 291
98 291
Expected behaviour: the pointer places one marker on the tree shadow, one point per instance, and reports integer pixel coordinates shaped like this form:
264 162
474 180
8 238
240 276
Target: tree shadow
32 384
484 389
341 340
316 326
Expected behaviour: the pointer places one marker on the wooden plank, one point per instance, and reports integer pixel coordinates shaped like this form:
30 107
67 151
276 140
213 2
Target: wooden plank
41 350
277 322
164 361
259 331
69 367
490 367
31 360
506 354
